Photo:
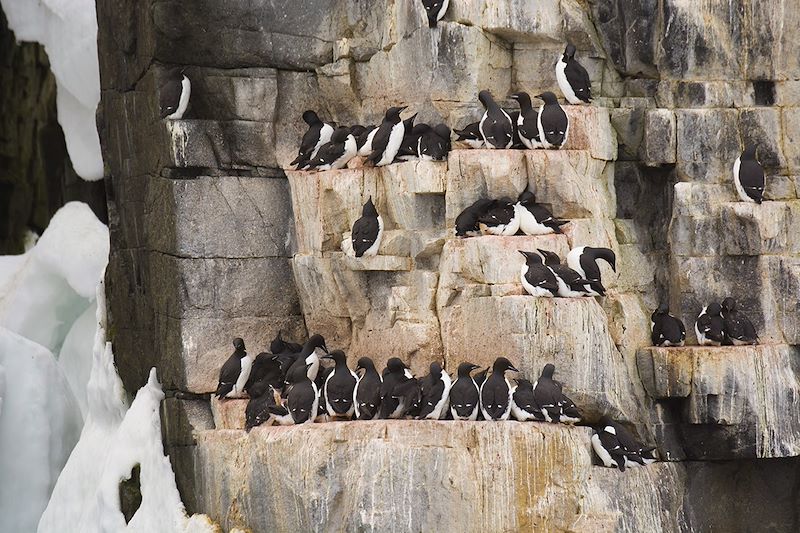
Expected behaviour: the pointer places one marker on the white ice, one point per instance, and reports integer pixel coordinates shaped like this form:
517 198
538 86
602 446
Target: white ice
68 31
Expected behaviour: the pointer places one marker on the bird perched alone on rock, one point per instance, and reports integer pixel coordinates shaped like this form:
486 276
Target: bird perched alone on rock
435 10
471 135
536 219
667 330
553 123
496 127
339 387
435 393
500 219
235 372
748 176
537 279
527 123
388 138
367 393
317 134
496 391
583 260
617 448
710 326
573 80
367 231
465 394
738 328
551 401
174 94
570 283
336 153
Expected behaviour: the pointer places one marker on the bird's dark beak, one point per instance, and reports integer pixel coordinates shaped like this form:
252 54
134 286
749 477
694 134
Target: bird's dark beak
359 367
324 348
327 357
403 107
513 369
523 253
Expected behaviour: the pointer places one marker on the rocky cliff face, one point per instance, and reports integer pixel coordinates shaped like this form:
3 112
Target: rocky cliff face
211 240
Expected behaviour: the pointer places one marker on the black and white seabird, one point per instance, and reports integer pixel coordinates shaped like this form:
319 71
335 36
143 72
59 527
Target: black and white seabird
435 10
267 368
467 221
308 358
523 405
552 122
235 372
278 345
551 401
367 231
318 134
433 143
536 219
364 140
537 279
496 127
388 138
408 150
570 283
500 219
471 135
738 328
257 411
435 393
617 447
339 387
583 260
748 176
303 398
710 326
336 153
527 122
573 80
465 394
174 94
667 330
395 373
496 391
367 394
408 395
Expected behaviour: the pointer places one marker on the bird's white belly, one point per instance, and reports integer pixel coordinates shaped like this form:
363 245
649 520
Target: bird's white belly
563 83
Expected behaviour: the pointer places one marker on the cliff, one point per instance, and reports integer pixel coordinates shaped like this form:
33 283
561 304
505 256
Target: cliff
212 238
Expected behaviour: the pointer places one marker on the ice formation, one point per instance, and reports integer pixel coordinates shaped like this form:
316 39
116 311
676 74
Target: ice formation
68 31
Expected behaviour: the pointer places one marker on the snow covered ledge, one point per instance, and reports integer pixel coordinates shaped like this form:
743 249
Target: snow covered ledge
68 31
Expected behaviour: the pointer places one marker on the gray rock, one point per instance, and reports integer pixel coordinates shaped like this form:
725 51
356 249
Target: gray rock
228 145
660 137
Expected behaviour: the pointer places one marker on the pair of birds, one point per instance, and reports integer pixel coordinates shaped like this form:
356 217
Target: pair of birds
543 275
326 146
505 217
715 325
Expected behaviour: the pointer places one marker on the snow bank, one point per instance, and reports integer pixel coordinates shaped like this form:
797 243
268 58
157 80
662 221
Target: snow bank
40 422
68 31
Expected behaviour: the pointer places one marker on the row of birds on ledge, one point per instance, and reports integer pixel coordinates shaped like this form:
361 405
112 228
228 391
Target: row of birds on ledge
308 391
716 325
325 146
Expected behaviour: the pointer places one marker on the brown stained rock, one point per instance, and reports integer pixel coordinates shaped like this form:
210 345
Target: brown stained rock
228 412
497 476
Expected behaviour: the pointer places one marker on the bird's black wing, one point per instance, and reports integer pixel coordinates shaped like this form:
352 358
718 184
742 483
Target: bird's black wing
570 277
579 80
751 177
470 132
339 391
431 395
716 330
672 329
464 394
541 276
228 375
529 127
307 144
657 336
170 96
257 410
327 154
365 231
301 399
494 393
524 399
368 396
554 124
380 141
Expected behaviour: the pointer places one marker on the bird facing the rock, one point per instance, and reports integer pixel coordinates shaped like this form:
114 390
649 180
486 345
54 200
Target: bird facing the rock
317 134
570 283
667 330
336 153
537 279
710 326
495 126
748 176
496 391
367 231
527 121
367 394
553 404
738 328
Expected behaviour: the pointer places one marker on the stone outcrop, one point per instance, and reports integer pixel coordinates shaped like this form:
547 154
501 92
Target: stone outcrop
210 241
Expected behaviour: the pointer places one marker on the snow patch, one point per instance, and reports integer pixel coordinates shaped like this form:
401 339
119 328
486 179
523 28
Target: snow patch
68 31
